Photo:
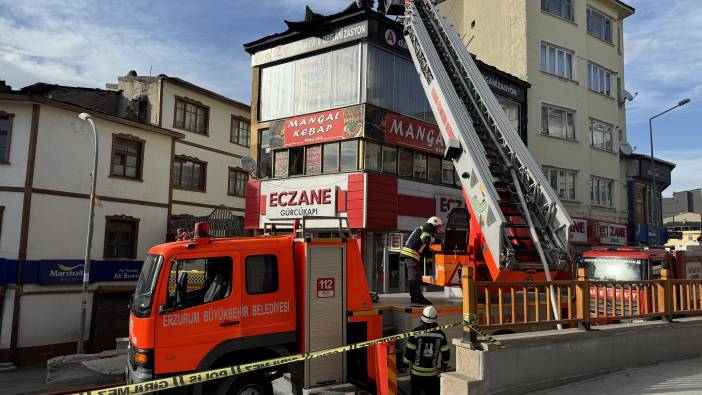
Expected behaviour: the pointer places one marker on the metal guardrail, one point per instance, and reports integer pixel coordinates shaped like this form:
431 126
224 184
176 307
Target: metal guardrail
495 305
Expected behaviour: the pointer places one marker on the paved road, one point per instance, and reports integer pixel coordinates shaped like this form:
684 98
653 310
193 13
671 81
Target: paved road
678 377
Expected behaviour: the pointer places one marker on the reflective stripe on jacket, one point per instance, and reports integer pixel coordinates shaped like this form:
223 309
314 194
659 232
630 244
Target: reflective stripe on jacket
418 243
422 352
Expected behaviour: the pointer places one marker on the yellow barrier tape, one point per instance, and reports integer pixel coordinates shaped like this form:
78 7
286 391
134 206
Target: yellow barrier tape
208 375
469 321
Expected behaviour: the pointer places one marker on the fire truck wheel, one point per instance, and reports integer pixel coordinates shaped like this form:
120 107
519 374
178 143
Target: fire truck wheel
248 384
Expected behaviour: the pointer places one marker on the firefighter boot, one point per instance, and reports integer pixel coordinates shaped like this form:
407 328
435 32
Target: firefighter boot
416 296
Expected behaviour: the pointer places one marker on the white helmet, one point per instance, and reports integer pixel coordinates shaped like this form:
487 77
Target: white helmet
436 221
429 314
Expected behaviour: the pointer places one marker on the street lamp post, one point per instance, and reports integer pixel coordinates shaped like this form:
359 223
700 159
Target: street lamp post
89 242
653 165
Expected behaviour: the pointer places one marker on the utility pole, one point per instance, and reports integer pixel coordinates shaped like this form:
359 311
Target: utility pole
89 240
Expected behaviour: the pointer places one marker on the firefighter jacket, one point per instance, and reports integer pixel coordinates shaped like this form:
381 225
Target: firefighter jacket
422 352
418 243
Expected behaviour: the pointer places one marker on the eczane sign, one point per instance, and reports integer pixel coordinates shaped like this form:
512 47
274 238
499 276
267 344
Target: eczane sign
297 203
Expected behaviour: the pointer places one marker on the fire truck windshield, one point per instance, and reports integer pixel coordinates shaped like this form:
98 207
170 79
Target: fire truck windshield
615 269
143 295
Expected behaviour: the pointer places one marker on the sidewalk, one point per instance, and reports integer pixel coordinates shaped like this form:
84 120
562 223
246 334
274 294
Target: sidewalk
32 380
677 377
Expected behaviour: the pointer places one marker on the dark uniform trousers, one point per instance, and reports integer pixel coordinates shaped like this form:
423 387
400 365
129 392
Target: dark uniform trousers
428 385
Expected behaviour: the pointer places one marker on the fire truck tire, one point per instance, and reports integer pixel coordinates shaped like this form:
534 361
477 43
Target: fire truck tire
247 384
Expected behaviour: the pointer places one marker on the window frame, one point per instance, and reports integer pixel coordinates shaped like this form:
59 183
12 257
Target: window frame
10 117
591 67
572 11
566 111
606 18
196 104
592 135
338 157
229 181
140 156
239 120
203 177
565 51
135 237
598 203
175 261
277 277
547 169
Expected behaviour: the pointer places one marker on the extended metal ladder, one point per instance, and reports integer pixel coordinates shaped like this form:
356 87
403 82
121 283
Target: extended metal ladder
524 224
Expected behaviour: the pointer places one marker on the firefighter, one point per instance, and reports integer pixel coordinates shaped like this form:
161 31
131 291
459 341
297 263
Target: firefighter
427 355
417 247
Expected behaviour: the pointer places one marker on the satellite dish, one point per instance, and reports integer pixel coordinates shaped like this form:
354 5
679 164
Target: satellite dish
248 163
626 149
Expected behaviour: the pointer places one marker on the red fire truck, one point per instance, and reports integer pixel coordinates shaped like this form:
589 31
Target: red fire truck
610 264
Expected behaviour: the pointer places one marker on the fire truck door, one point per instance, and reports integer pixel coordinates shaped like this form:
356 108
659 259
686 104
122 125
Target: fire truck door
201 307
325 321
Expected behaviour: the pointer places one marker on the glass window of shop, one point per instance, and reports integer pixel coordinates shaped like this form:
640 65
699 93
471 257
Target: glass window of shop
389 159
392 83
434 168
280 166
296 158
420 165
447 172
330 158
265 159
404 163
311 84
313 159
348 158
372 161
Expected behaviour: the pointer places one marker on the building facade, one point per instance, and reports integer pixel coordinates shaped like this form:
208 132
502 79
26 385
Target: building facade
206 172
46 156
683 202
684 231
572 54
341 127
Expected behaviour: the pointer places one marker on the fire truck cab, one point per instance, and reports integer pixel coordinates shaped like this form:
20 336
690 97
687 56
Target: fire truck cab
205 303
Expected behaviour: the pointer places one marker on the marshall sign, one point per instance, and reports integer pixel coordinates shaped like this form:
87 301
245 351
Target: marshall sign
312 202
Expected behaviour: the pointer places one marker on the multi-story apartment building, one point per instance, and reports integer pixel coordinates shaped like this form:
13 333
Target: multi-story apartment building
572 54
206 170
46 157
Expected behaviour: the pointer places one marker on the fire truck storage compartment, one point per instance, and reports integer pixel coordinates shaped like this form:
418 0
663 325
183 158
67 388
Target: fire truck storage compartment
325 323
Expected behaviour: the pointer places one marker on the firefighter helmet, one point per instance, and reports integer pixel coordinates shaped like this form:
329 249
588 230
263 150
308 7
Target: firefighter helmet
436 221
429 314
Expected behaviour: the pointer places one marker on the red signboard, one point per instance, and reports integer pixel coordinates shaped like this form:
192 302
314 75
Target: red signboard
608 233
314 128
413 133
325 287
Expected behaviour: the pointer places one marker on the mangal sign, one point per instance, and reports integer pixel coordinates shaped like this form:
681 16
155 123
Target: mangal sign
413 133
319 127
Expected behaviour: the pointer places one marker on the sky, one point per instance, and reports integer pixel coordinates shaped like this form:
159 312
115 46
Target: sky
90 43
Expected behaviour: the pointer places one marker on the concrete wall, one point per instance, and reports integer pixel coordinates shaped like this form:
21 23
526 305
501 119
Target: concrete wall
538 360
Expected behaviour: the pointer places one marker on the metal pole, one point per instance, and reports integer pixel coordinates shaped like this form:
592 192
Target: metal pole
89 238
653 178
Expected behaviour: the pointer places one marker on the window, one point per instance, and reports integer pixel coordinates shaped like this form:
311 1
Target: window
562 181
599 24
311 84
447 172
5 136
349 155
420 166
330 158
557 122
389 159
404 159
393 84
372 156
191 116
599 79
189 173
557 61
265 156
296 157
240 131
261 274
601 135
561 8
512 110
280 163
237 182
121 235
192 282
127 157
602 191
313 159
434 166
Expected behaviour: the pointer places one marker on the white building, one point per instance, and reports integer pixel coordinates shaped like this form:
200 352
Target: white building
206 173
46 155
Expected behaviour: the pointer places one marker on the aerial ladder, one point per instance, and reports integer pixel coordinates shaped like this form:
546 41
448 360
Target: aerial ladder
518 228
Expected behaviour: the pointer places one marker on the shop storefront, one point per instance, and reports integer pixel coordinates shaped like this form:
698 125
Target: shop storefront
342 128
587 232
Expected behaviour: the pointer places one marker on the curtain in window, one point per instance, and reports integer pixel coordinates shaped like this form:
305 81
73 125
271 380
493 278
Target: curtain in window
380 77
277 91
312 82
